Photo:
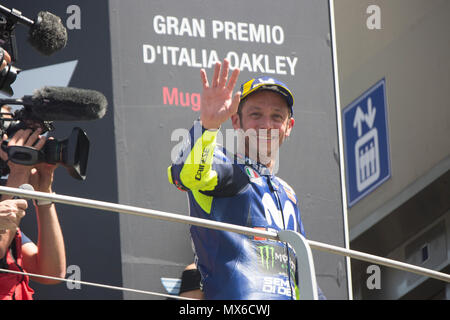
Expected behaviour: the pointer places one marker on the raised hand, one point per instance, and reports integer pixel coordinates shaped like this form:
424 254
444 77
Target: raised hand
11 212
218 103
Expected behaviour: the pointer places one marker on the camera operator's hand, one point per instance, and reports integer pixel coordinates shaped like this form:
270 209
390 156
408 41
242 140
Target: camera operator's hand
5 58
28 138
41 177
11 212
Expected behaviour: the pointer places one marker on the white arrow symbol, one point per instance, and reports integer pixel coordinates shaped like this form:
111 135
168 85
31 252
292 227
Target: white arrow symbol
57 75
357 122
370 116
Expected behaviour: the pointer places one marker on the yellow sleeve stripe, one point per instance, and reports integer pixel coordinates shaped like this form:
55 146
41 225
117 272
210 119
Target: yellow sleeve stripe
169 174
197 173
204 201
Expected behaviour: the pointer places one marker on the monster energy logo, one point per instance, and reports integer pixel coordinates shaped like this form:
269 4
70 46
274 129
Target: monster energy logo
267 252
274 258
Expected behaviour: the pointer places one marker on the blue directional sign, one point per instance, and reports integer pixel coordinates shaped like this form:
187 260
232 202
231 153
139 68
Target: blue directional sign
366 143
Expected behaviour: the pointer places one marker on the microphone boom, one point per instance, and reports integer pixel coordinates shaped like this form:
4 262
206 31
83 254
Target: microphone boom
47 34
61 104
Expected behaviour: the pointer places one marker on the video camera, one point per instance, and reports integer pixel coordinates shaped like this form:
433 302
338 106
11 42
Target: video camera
47 35
39 111
72 152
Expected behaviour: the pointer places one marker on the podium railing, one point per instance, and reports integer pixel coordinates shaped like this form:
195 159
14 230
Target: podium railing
301 246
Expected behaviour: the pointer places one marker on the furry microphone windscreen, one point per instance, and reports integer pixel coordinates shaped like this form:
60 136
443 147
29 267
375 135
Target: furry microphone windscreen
67 104
47 34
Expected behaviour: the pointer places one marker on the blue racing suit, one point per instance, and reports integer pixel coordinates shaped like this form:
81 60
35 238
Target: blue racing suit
228 188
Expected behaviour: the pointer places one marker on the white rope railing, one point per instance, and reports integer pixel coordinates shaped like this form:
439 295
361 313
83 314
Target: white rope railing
166 216
93 284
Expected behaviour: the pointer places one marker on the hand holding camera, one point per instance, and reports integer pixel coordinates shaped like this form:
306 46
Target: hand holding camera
5 58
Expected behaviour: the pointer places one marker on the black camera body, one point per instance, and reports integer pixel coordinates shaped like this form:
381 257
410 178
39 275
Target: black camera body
8 42
72 152
46 34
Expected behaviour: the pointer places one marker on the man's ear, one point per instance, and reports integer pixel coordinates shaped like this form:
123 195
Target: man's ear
236 121
290 125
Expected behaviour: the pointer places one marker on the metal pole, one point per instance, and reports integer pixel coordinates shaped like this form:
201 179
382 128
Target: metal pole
306 273
149 213
380 260
107 206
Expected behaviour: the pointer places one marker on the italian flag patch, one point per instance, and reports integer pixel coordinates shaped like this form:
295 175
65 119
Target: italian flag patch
251 173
